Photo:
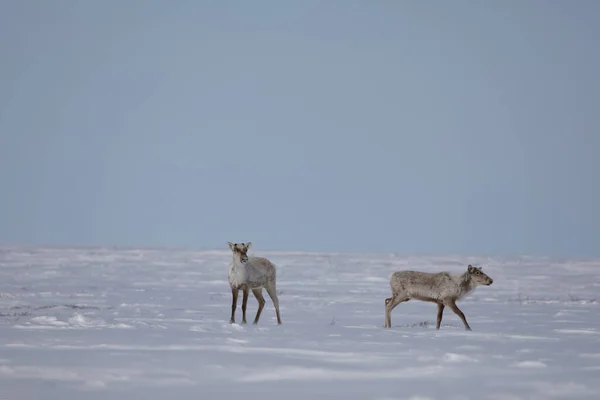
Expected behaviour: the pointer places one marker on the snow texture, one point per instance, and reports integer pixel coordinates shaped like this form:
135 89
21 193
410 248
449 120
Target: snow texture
96 323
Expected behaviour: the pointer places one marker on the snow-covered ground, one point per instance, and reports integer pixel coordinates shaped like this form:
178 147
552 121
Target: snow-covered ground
114 323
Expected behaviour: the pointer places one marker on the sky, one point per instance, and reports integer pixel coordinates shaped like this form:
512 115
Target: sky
413 127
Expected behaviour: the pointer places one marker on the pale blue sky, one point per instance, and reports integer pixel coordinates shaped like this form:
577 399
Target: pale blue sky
404 126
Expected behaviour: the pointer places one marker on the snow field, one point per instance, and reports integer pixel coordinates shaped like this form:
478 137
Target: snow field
95 323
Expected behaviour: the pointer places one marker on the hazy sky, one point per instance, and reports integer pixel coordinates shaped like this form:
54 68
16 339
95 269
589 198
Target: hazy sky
404 126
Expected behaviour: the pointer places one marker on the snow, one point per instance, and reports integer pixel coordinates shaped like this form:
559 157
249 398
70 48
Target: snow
97 323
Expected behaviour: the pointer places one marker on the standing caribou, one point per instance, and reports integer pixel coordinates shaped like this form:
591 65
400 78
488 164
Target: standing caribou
251 273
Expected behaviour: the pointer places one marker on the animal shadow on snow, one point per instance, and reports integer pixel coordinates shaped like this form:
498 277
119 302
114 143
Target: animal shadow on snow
424 324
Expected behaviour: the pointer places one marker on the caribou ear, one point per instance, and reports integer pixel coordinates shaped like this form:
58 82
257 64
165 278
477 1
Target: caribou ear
231 245
470 268
248 245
